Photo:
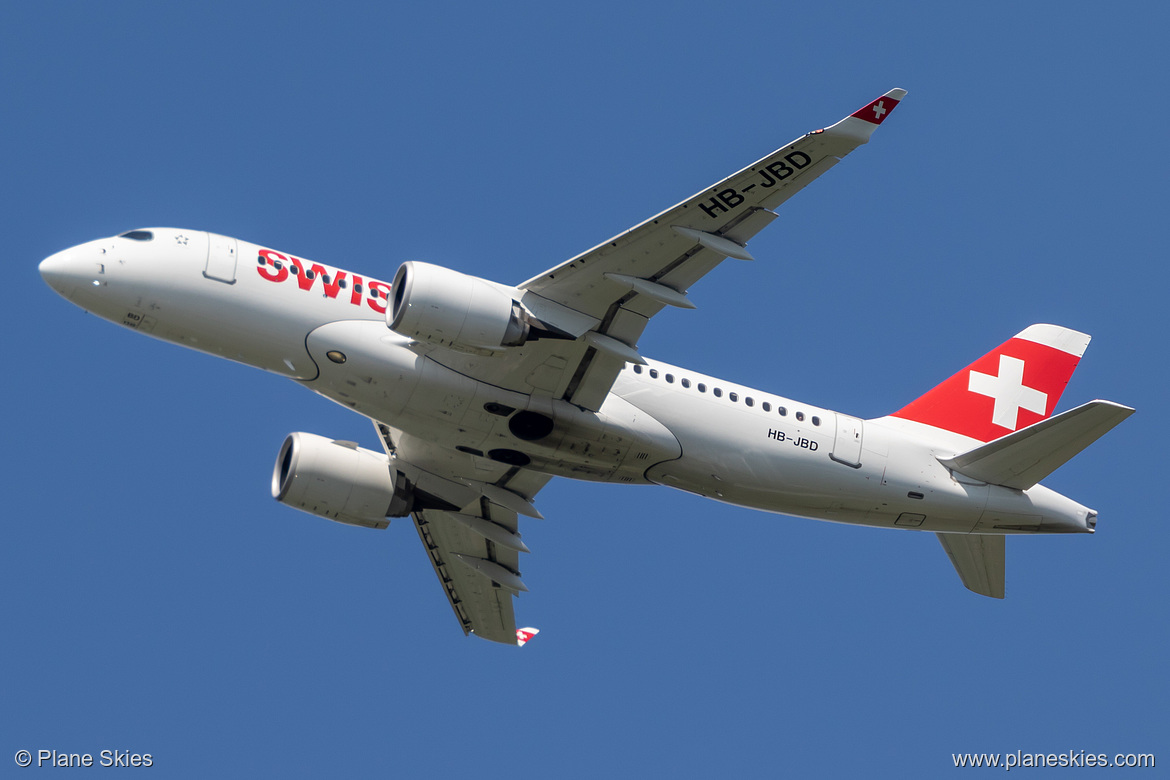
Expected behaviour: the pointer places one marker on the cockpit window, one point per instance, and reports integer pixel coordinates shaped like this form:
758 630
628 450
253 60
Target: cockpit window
138 235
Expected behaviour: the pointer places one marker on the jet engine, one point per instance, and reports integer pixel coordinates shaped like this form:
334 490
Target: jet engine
339 481
435 304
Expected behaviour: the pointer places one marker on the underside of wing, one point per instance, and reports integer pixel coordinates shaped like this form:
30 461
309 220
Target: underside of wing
469 524
470 568
677 247
601 300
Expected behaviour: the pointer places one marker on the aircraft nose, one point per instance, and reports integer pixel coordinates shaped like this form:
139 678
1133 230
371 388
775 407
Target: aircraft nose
65 270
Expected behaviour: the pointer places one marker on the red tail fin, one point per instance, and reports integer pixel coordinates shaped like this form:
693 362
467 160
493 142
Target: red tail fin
1011 387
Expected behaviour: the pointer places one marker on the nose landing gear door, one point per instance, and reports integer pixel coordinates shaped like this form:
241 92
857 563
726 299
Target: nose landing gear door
221 258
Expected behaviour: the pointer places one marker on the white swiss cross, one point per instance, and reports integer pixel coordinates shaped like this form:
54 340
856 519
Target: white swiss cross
1009 392
879 109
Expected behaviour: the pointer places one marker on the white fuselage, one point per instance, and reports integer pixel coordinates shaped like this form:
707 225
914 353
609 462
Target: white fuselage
660 424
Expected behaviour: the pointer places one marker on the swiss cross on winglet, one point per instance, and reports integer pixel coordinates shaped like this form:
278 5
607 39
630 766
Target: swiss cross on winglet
877 111
524 634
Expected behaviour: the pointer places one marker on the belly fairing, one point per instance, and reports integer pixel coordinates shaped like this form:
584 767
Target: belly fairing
372 370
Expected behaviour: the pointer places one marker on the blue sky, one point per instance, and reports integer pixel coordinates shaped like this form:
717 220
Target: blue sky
156 599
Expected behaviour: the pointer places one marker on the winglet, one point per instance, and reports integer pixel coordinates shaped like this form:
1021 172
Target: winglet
861 123
524 634
877 111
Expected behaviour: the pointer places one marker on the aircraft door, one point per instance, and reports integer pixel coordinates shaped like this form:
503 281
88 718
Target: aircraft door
847 443
221 258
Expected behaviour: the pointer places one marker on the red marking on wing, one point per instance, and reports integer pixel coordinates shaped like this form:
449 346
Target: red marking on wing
877 111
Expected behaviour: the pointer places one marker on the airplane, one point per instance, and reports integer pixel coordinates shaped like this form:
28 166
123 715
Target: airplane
482 392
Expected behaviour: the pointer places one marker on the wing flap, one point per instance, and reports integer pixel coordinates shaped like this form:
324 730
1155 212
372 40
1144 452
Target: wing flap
753 223
481 606
475 547
1021 459
979 560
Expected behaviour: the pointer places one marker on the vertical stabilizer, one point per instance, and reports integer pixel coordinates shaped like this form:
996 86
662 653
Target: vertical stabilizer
1015 385
979 560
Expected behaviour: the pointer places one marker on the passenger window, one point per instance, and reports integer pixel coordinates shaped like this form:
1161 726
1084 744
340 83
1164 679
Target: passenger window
670 378
686 382
654 373
702 387
749 401
733 397
816 421
800 416
718 392
637 369
781 411
766 406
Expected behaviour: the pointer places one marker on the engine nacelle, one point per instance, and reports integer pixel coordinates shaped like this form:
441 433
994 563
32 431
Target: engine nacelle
435 304
340 481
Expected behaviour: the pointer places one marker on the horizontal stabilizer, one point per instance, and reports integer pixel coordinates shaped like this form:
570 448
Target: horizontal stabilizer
1021 459
979 560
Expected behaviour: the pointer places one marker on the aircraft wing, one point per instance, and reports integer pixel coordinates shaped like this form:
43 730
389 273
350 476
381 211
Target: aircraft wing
475 545
604 297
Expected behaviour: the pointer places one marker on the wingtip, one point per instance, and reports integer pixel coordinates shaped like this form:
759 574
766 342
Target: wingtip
875 112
